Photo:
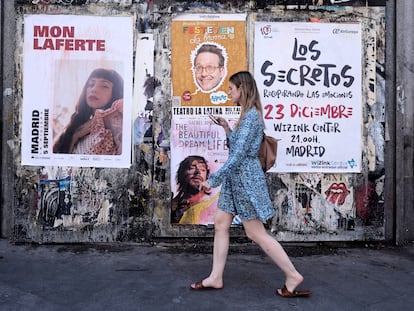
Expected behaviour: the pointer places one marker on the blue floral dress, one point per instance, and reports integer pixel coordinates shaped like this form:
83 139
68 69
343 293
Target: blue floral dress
243 184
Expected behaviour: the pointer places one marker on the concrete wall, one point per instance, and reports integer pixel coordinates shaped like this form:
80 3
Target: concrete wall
404 96
138 198
8 31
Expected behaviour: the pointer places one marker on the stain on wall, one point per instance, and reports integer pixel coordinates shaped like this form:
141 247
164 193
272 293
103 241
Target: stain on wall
64 204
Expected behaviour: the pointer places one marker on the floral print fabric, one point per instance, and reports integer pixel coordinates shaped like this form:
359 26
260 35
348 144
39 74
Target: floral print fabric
243 184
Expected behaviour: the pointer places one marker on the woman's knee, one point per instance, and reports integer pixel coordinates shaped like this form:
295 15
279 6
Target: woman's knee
254 231
251 235
222 221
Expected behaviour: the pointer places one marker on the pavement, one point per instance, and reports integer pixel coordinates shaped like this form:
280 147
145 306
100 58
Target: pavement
156 276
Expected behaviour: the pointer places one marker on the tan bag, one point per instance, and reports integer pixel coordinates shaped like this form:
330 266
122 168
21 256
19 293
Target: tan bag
268 152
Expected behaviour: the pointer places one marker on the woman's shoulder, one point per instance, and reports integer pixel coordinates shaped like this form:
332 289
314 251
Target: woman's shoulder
252 116
252 113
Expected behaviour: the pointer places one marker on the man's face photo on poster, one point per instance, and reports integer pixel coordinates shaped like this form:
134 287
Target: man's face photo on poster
193 204
209 66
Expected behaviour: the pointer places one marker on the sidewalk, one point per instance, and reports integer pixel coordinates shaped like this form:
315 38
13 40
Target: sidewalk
137 277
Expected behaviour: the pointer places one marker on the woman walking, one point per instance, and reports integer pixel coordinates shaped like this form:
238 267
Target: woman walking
244 190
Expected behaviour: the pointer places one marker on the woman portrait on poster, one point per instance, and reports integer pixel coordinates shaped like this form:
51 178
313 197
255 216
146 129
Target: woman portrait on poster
96 125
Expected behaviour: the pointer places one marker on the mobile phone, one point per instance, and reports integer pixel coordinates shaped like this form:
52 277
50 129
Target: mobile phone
213 118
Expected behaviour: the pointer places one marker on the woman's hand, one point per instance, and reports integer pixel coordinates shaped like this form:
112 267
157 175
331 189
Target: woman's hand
205 186
118 105
222 122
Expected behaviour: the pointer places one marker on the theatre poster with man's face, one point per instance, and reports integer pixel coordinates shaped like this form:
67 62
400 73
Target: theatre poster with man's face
206 50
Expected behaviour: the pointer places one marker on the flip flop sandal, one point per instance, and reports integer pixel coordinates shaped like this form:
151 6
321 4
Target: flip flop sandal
296 293
199 286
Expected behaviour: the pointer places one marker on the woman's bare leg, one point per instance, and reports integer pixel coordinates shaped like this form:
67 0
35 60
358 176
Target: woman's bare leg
222 223
256 231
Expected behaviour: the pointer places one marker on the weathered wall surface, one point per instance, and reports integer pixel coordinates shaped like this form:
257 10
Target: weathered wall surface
134 204
404 140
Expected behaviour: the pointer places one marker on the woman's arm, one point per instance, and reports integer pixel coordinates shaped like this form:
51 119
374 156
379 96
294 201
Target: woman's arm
245 136
224 124
113 121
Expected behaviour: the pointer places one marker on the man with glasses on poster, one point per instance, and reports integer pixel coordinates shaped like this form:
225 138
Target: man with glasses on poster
209 67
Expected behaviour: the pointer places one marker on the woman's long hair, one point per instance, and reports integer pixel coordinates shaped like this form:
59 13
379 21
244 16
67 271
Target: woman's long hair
249 94
83 112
